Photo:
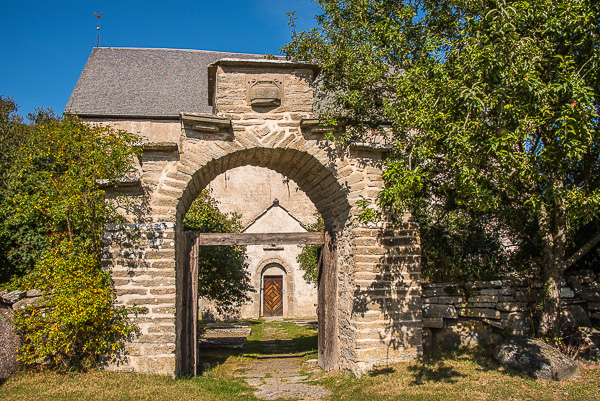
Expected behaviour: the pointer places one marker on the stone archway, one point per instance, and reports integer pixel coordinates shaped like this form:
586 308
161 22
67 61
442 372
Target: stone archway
263 117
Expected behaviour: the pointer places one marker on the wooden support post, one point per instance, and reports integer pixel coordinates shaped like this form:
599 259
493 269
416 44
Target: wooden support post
189 333
327 306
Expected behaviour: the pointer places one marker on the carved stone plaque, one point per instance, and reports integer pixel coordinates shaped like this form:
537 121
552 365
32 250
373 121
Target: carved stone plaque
264 92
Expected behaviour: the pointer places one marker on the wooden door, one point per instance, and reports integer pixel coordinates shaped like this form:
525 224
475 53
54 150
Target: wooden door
273 296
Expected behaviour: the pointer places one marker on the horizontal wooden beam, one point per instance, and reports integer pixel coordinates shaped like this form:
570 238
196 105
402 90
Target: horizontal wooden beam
228 239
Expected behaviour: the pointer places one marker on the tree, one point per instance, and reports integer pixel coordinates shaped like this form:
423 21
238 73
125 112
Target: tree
493 106
50 199
309 256
222 270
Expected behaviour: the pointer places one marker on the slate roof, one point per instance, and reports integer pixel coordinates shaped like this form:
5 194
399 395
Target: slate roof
138 82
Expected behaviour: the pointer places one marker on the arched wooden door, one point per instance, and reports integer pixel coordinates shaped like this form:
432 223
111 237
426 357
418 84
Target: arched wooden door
273 296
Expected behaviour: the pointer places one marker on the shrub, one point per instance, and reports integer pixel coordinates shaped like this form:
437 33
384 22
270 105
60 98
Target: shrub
76 320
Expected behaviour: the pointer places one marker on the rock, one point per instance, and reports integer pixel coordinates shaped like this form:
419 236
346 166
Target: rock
8 344
13 297
574 316
463 335
26 302
536 358
433 322
588 340
585 284
439 311
566 292
33 293
517 323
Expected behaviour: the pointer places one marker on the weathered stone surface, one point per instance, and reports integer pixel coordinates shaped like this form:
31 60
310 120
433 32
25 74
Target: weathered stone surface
13 297
536 358
9 342
33 293
588 339
480 312
433 322
573 316
26 302
439 311
463 335
512 306
517 323
585 284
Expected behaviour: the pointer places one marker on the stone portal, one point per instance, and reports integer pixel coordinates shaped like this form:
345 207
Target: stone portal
262 115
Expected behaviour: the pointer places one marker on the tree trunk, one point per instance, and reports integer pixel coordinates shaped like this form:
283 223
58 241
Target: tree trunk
554 240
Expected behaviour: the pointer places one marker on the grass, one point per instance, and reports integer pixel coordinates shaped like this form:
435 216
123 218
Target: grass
467 375
120 386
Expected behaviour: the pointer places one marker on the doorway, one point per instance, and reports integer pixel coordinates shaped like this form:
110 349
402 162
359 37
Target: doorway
273 296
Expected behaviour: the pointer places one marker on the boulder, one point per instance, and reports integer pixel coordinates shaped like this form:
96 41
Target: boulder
535 358
573 316
8 344
463 334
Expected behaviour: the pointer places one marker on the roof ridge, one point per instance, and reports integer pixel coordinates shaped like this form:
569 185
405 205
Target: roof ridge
174 49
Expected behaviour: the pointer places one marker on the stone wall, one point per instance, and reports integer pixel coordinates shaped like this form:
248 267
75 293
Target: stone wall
477 312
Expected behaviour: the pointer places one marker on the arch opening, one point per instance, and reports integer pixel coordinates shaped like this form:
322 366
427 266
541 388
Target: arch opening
329 198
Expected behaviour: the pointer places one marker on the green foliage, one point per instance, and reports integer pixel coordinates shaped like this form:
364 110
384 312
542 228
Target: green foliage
222 270
48 188
494 107
309 257
76 322
52 214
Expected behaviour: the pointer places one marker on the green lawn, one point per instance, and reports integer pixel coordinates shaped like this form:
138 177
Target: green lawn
467 375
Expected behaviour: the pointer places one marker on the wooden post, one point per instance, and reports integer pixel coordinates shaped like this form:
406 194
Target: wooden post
189 340
327 306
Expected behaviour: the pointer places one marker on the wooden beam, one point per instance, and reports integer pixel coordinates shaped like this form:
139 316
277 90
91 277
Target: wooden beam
229 239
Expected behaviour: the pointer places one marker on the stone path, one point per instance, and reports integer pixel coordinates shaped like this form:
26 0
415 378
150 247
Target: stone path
279 371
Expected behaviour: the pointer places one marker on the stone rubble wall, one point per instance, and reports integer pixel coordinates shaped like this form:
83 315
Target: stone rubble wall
141 258
474 313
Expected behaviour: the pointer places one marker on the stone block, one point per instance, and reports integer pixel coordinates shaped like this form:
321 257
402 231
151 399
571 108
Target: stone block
8 345
439 311
483 299
480 312
517 323
566 292
512 306
450 300
436 323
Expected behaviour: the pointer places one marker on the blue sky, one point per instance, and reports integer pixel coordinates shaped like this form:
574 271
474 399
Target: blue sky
45 43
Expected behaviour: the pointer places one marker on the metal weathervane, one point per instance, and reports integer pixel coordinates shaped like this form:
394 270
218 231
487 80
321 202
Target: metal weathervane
98 29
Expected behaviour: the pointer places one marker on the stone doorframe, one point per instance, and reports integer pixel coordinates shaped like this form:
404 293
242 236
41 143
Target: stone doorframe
263 117
288 284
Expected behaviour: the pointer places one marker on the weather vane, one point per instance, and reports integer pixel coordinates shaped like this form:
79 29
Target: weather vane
98 29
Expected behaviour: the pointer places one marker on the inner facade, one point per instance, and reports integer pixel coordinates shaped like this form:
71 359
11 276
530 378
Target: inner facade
267 202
